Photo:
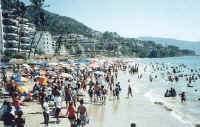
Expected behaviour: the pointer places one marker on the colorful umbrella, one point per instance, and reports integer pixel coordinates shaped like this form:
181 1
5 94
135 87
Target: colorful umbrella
21 79
22 89
43 81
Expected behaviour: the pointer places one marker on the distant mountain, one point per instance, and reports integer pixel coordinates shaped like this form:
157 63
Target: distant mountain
191 45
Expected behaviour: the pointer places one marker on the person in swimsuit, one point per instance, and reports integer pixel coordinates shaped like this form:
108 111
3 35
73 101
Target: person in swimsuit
71 113
83 113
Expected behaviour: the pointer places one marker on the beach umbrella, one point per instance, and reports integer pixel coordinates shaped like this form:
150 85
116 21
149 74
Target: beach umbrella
26 66
43 81
44 63
98 72
93 66
22 88
66 75
22 79
9 73
72 65
68 62
42 72
77 63
52 73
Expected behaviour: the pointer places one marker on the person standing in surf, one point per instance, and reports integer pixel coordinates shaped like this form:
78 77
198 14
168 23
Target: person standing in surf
129 89
182 95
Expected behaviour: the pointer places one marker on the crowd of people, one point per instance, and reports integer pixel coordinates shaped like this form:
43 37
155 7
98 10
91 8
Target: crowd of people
71 84
174 74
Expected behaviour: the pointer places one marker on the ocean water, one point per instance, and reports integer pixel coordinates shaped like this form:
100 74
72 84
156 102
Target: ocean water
188 112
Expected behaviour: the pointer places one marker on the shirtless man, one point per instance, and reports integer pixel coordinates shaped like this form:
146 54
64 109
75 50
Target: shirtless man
83 113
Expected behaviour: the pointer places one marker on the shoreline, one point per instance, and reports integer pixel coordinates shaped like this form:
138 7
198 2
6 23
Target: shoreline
138 109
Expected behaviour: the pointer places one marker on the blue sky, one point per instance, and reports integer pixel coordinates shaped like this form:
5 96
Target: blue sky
178 19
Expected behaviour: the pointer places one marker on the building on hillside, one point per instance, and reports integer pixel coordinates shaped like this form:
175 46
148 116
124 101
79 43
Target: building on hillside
63 50
59 44
46 44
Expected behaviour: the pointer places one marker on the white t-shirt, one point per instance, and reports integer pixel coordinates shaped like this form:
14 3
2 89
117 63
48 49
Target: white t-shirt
46 107
49 91
58 101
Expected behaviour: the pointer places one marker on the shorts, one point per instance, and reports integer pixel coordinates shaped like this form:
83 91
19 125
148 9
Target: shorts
68 98
72 118
83 118
57 111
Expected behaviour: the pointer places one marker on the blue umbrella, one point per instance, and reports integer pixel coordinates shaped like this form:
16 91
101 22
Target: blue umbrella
44 64
68 62
52 73
77 63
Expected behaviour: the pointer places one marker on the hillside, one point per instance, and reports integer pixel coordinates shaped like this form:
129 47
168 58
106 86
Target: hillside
191 45
57 24
110 41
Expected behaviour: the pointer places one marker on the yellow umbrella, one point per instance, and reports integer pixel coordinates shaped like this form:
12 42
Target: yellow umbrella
66 75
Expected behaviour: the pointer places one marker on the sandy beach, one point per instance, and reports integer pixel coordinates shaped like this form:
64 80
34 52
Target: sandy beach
116 113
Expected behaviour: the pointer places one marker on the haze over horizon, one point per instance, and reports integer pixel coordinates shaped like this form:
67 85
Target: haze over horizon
177 19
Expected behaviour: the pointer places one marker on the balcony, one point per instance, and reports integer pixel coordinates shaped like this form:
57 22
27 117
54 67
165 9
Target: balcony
10 51
12 41
11 37
25 38
10 26
11 20
25 44
11 34
11 45
9 30
8 22
6 15
22 19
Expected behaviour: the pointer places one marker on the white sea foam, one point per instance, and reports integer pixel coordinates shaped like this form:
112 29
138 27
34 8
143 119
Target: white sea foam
178 115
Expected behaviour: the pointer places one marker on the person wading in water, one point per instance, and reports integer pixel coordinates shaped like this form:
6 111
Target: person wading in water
129 89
